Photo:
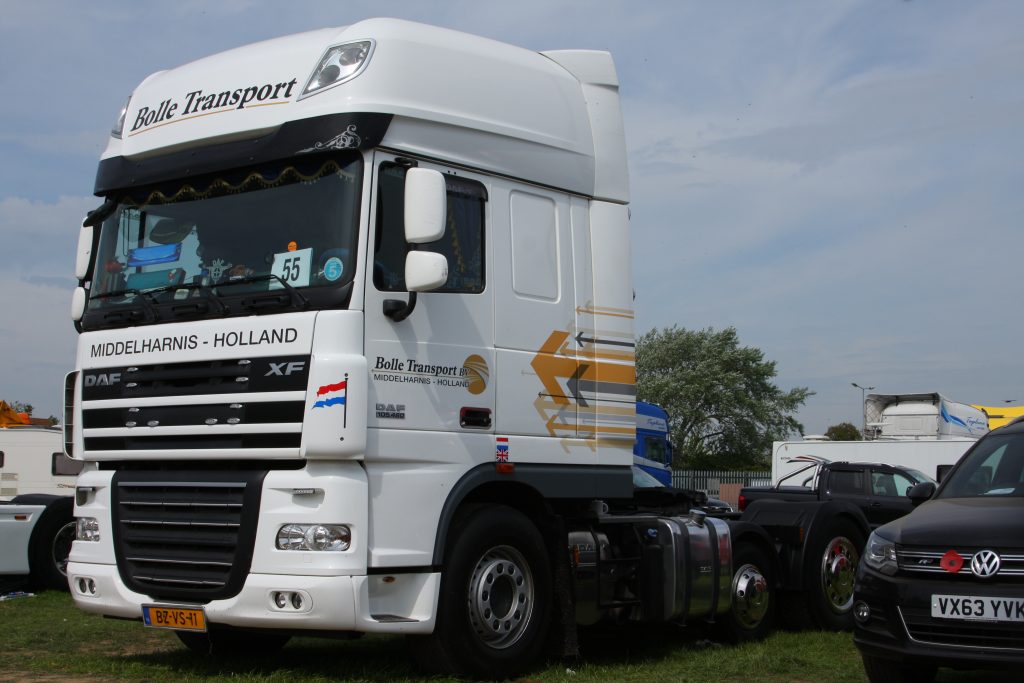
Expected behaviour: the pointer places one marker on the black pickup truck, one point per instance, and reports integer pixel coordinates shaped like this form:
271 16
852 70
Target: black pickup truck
880 491
944 585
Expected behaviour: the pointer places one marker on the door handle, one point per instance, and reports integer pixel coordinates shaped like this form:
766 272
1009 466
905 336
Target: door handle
475 418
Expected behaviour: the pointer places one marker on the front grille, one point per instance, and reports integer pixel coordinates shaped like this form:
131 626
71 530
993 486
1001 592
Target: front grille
182 535
929 561
234 408
922 627
233 376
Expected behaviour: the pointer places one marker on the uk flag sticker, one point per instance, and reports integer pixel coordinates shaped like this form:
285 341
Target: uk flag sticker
501 450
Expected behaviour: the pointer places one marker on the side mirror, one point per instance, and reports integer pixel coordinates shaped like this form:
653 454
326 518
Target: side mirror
425 270
84 252
919 493
77 304
426 205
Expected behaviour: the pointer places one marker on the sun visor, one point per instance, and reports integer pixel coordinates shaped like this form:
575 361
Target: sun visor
317 135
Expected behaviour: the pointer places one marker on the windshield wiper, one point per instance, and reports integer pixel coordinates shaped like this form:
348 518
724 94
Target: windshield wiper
190 307
151 313
294 298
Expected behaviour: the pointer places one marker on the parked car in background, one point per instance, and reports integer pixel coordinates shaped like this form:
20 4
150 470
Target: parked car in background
944 585
879 490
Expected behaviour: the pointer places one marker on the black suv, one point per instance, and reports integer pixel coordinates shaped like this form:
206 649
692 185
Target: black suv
944 585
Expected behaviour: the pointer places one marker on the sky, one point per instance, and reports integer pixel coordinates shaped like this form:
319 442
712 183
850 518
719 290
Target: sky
840 181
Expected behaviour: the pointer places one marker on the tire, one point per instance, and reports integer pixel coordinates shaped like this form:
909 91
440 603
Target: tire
217 643
829 570
495 600
50 546
751 615
887 671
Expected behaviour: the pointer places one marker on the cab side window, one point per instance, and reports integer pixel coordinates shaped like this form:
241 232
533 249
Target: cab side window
655 449
462 243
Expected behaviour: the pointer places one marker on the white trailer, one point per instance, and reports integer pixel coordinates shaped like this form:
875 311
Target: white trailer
922 417
37 481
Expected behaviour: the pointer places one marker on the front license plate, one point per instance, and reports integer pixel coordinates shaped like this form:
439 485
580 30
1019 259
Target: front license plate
977 607
178 618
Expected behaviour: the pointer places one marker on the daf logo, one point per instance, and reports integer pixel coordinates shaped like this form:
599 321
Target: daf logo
985 563
286 368
102 379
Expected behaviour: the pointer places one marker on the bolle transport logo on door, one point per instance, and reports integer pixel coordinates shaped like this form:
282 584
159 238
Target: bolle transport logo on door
476 373
472 375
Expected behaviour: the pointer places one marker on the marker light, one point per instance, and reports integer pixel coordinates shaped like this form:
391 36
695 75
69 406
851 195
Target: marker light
119 126
87 529
339 64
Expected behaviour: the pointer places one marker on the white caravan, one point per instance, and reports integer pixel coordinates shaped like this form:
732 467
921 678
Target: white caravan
925 431
37 481
357 354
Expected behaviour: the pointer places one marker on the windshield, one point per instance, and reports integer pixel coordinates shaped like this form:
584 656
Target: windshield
277 228
994 467
919 476
645 480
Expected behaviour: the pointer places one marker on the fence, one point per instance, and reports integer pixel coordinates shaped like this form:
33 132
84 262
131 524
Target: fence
722 484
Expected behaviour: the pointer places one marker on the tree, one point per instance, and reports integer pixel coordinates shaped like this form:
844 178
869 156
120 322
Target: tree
27 408
724 410
20 407
844 431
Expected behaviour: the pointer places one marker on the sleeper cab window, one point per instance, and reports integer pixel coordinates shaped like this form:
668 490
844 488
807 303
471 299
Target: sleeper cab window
462 243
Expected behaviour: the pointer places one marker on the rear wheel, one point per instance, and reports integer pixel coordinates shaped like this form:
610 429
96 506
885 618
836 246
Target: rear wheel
752 611
830 570
495 599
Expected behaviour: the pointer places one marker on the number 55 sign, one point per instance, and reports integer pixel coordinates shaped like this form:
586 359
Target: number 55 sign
292 267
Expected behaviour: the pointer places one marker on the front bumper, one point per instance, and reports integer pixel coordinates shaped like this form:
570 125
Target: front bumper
901 628
403 603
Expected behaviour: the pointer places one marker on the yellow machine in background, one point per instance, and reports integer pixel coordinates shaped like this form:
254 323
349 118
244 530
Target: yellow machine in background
1001 415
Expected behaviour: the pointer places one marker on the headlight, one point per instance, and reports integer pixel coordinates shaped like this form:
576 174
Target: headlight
87 529
339 64
880 554
324 537
119 126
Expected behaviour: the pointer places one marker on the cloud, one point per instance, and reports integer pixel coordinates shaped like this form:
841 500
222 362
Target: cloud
38 343
37 337
40 238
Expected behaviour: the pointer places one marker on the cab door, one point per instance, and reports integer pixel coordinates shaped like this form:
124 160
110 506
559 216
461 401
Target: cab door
430 371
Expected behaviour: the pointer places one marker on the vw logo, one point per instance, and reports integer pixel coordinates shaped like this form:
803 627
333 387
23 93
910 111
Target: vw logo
985 563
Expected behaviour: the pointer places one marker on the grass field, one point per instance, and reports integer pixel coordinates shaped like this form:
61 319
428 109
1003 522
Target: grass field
46 639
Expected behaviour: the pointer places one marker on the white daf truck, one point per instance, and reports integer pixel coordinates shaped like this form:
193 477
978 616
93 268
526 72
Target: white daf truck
356 355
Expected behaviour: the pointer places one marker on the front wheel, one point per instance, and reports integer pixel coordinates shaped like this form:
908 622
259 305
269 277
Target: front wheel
752 607
495 599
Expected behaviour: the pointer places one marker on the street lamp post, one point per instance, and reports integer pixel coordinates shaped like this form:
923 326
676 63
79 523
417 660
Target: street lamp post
863 408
